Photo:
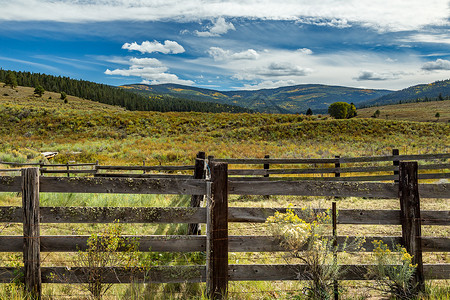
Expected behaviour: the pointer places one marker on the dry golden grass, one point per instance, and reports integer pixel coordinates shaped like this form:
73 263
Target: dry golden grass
25 96
420 112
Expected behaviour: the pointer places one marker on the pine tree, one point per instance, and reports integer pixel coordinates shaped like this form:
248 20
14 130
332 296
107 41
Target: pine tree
11 79
39 90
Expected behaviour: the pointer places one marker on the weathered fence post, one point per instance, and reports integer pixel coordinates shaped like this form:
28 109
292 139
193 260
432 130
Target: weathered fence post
31 232
199 173
396 163
335 247
217 233
337 165
411 222
337 173
266 166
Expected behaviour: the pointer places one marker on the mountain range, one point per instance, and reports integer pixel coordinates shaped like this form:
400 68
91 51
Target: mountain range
298 98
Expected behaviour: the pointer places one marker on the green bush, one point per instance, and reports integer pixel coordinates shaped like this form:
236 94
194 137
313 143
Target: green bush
393 271
342 110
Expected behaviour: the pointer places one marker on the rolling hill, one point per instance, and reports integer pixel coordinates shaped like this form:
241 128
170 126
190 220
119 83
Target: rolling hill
290 99
438 90
114 96
420 111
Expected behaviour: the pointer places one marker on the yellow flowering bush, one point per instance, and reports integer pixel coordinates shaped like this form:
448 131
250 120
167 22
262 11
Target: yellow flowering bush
304 239
393 271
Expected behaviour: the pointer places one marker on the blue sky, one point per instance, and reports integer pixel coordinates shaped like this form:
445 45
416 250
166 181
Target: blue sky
230 45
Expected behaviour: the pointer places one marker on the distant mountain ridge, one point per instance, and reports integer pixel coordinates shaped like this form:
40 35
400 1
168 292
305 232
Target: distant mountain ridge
290 99
421 92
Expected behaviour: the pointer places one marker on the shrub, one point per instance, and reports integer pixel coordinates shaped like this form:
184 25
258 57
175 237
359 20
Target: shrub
39 90
342 110
393 271
108 249
305 240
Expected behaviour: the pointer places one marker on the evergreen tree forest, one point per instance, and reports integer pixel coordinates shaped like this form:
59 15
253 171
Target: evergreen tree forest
115 96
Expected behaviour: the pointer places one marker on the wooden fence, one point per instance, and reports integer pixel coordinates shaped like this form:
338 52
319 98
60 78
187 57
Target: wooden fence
370 168
216 242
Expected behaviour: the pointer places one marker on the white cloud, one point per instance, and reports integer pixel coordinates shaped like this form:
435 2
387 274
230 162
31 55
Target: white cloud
30 63
146 62
274 69
155 46
339 23
305 51
438 64
428 38
150 70
268 84
380 14
371 75
220 26
220 54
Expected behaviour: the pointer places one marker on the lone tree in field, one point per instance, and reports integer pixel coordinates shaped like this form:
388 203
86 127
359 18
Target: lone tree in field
342 110
309 112
437 116
376 114
39 90
11 79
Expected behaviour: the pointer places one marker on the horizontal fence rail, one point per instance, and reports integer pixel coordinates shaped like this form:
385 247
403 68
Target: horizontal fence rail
12 214
110 185
287 161
191 274
197 243
198 187
271 166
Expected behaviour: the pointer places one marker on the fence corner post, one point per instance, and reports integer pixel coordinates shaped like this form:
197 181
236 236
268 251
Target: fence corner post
411 221
199 173
217 233
31 232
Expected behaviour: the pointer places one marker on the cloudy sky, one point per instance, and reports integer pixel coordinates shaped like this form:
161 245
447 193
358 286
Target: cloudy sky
229 45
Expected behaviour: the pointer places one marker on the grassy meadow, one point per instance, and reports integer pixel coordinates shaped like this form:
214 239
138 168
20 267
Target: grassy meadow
85 131
419 112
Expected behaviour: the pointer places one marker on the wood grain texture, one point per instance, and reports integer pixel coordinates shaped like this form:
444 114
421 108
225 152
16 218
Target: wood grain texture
217 233
294 272
173 274
199 173
31 232
410 216
146 168
183 243
123 185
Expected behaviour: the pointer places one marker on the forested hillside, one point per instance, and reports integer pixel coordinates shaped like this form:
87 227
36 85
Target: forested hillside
435 91
115 96
288 99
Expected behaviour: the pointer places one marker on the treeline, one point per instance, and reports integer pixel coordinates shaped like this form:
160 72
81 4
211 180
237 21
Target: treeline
436 91
417 100
116 96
